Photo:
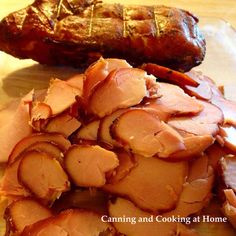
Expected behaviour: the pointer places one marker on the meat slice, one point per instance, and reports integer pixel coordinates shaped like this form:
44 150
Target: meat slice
88 131
205 123
104 131
40 111
77 81
173 102
121 89
144 134
41 168
23 144
194 146
24 212
51 148
206 88
122 207
127 162
87 165
98 71
67 96
71 222
16 128
209 91
228 108
215 152
196 190
150 186
63 124
10 185
227 174
229 206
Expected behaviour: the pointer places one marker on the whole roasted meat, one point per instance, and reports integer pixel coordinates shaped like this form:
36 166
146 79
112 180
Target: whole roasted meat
72 32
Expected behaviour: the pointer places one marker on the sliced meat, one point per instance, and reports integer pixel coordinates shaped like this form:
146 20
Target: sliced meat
194 146
87 165
63 124
10 185
23 144
228 133
173 102
144 134
98 71
40 111
206 88
104 134
122 207
226 172
71 222
170 75
150 186
205 123
229 206
89 131
60 96
196 190
127 162
24 212
77 81
15 129
46 171
209 91
121 89
215 152
228 108
51 148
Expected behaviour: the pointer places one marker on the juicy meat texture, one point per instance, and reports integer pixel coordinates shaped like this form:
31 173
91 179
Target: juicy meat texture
67 96
88 131
205 123
150 186
97 72
42 175
208 90
64 124
104 134
66 33
25 143
127 162
122 88
71 222
196 190
173 101
24 212
145 134
87 165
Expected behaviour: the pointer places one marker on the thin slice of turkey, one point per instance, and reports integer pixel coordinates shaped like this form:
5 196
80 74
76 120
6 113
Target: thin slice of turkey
16 128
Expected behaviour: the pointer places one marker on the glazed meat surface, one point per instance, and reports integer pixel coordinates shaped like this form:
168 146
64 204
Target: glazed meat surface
78 32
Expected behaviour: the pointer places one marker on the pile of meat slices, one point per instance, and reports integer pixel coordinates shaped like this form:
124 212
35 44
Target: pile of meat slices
114 141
